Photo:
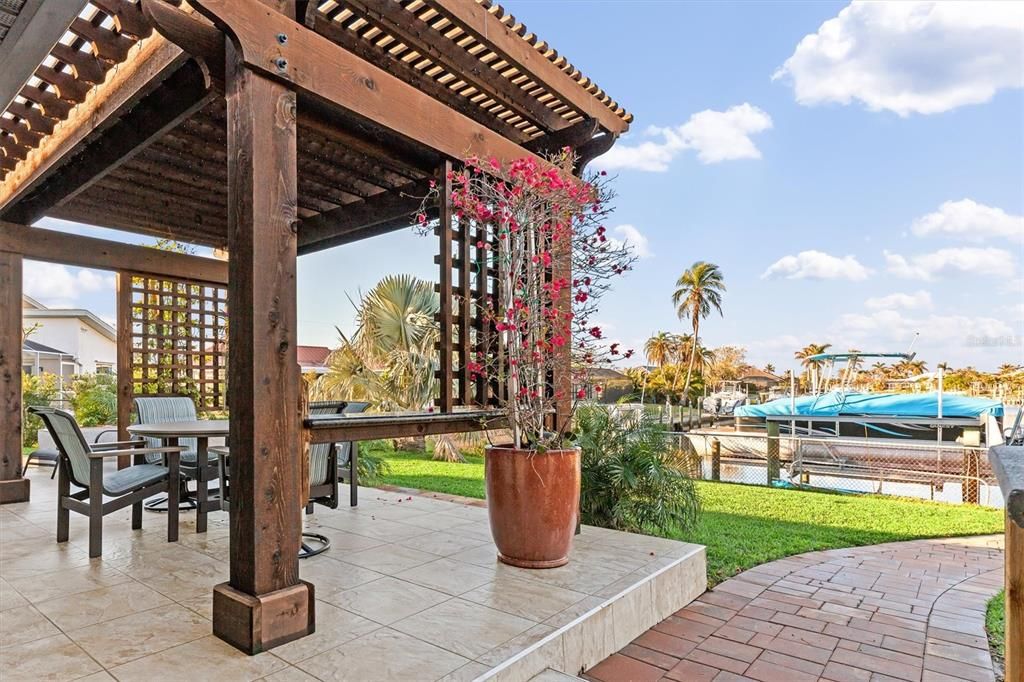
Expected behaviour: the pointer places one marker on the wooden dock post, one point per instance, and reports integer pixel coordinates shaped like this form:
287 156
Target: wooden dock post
716 459
773 451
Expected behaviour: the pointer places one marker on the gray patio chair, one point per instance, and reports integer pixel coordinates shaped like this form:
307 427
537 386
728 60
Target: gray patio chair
324 462
348 456
82 465
175 408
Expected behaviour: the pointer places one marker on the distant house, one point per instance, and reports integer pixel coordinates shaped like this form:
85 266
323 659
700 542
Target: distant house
313 359
66 341
758 379
607 385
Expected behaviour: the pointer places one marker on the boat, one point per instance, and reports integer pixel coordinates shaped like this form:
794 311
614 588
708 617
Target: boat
725 399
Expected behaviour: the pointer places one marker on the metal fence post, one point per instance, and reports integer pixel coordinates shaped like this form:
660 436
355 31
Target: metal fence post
773 451
716 459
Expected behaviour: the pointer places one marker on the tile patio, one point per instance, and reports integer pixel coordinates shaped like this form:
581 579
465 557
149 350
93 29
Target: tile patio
410 590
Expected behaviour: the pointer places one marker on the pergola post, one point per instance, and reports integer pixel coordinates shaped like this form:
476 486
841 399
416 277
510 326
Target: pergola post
13 487
264 604
125 366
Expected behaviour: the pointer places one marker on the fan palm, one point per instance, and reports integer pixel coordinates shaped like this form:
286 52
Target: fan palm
698 292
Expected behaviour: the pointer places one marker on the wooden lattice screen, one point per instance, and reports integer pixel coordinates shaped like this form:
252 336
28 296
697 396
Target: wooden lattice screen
176 338
466 278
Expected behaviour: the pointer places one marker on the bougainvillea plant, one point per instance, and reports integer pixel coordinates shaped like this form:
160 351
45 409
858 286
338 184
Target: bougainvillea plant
549 250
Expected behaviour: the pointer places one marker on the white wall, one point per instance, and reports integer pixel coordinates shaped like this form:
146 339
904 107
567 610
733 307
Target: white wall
74 336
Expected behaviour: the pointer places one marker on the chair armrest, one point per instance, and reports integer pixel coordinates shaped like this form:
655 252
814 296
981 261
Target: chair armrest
135 451
96 440
96 447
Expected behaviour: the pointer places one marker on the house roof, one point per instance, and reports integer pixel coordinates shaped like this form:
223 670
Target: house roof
33 347
86 316
755 373
313 356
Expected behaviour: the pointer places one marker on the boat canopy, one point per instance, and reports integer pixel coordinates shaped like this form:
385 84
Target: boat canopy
839 403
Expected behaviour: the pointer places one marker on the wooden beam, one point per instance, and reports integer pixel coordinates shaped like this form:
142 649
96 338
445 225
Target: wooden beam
36 243
181 95
329 72
13 487
264 604
153 60
40 24
330 228
489 30
574 136
372 427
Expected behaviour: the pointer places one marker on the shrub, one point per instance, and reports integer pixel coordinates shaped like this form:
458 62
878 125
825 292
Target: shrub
632 478
95 399
36 389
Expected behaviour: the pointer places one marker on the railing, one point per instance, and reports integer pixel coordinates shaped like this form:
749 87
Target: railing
1008 464
947 471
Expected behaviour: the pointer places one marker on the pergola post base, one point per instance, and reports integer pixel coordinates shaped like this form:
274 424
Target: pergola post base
15 490
256 623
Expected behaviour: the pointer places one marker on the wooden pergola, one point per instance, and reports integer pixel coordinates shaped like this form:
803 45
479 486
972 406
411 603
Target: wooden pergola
271 128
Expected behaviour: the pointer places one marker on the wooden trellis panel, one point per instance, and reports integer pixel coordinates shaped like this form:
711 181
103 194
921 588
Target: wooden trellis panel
178 339
466 279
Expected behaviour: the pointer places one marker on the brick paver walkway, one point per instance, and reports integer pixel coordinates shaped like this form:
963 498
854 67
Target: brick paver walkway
901 611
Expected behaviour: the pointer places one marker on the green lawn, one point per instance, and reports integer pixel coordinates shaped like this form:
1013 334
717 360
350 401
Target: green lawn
995 623
743 526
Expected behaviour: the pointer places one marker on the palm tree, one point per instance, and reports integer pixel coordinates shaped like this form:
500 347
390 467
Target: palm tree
391 359
770 368
660 348
698 291
805 354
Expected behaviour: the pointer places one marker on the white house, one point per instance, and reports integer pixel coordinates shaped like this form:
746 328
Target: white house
66 341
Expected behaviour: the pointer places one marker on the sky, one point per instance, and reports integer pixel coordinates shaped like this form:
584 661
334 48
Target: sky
855 170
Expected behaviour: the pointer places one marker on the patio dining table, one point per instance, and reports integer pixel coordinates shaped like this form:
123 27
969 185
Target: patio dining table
202 430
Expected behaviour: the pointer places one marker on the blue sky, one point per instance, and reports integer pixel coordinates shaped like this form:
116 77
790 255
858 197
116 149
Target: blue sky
873 189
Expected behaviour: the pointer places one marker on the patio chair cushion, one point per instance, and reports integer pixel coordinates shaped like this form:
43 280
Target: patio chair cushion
134 477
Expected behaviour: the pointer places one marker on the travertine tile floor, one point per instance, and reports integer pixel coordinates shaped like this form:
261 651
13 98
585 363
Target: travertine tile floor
409 591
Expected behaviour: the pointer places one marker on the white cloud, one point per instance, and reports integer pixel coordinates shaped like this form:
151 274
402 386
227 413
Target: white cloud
715 136
910 57
970 220
918 299
896 327
950 262
58 286
816 265
631 236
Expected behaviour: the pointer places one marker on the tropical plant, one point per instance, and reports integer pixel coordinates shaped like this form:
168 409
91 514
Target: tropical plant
94 399
698 292
36 389
770 368
812 367
661 348
390 360
543 224
632 479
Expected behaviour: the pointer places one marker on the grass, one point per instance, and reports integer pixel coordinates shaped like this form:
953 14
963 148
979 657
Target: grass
995 623
743 526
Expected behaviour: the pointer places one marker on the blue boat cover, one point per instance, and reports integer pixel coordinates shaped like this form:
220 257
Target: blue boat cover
837 403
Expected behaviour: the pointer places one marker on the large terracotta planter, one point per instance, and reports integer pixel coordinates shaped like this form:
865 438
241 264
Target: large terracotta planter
533 502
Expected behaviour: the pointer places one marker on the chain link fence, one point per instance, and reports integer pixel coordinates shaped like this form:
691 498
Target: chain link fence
946 472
